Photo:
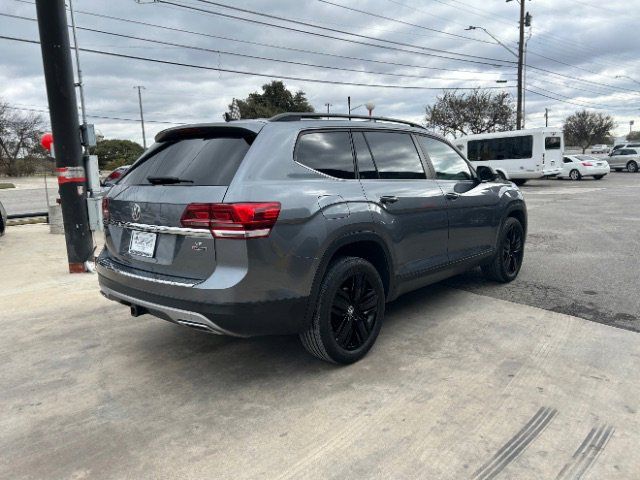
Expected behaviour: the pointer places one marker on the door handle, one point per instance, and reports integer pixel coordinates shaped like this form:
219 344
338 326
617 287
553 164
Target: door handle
388 199
452 196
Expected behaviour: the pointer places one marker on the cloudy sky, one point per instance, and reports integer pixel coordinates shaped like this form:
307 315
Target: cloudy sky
576 50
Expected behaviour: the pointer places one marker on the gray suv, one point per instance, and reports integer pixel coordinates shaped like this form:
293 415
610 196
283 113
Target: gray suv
301 224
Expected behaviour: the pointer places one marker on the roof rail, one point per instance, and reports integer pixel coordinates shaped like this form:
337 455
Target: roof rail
294 117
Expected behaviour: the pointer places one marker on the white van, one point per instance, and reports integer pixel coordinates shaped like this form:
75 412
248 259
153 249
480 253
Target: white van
519 155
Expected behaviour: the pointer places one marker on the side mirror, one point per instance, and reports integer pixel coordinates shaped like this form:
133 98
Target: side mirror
486 174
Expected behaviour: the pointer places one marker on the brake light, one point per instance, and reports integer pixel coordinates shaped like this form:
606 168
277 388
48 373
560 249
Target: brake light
587 164
106 215
115 175
232 220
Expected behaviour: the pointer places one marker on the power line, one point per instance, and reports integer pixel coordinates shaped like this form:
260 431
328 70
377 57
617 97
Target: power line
268 45
255 74
371 14
490 61
507 21
255 57
103 117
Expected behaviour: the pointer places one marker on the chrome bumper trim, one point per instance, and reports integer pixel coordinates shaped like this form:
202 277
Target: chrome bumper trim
177 315
110 266
143 227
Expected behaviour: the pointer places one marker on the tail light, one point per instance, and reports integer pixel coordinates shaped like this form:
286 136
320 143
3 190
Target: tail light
232 220
587 164
105 210
115 175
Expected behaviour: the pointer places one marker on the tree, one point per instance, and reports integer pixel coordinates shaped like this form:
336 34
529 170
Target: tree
633 136
113 153
478 111
585 128
19 140
275 98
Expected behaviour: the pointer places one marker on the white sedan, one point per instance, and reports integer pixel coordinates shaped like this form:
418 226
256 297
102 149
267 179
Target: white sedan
577 166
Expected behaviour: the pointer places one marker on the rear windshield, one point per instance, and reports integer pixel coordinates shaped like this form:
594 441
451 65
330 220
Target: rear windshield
198 161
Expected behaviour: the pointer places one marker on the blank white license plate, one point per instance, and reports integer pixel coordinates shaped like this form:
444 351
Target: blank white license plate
142 243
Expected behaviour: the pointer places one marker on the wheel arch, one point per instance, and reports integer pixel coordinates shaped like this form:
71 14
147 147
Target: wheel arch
363 244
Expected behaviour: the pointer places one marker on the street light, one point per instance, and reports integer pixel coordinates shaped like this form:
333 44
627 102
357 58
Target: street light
369 106
628 78
473 27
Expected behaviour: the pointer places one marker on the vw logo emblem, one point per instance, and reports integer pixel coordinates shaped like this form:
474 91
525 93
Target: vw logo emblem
135 212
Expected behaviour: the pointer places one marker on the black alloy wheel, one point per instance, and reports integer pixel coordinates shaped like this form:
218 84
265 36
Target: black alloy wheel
507 261
512 249
354 312
349 312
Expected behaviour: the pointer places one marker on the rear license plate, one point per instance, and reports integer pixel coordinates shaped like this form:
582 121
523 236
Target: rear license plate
142 243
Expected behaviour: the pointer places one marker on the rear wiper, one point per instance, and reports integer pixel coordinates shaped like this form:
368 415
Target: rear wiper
167 180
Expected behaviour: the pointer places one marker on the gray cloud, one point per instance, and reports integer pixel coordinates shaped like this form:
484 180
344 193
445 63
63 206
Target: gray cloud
597 43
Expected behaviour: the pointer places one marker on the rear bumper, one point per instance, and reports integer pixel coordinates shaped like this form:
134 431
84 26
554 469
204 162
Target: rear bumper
277 317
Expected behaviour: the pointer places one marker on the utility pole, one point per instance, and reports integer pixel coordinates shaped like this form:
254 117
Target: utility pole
328 105
63 110
520 67
546 117
144 137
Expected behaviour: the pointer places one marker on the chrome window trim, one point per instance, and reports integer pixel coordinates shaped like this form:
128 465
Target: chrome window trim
187 232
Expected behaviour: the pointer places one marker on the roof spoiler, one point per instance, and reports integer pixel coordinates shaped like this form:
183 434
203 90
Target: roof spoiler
209 130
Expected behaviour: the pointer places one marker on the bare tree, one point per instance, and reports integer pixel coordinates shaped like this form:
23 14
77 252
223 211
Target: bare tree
19 138
586 128
478 111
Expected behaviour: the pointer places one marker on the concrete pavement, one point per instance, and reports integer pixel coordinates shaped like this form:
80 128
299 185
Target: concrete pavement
459 385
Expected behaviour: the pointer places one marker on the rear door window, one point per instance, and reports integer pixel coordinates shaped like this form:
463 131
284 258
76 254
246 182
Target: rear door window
552 143
197 161
327 152
395 155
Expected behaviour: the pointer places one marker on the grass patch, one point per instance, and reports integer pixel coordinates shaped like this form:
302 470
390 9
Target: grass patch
6 185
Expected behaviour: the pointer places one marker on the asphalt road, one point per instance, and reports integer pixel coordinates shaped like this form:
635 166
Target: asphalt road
582 253
29 196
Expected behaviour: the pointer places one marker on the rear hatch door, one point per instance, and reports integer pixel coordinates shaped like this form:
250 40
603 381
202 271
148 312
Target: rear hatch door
144 231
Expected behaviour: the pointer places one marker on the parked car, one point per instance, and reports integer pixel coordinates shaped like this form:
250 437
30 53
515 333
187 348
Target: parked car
576 167
600 149
626 145
622 158
296 225
3 219
115 175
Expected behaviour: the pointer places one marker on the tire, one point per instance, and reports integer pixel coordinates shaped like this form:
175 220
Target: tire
575 175
347 319
632 166
520 181
598 177
506 264
501 175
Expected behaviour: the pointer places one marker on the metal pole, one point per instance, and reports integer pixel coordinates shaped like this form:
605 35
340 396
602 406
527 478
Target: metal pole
78 69
520 67
328 105
546 117
349 106
63 110
524 82
144 137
